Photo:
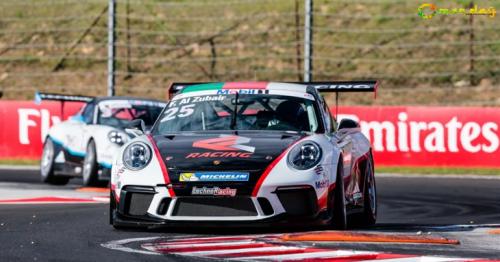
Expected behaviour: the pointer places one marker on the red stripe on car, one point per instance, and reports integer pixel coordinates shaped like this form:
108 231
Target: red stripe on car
163 167
271 166
245 85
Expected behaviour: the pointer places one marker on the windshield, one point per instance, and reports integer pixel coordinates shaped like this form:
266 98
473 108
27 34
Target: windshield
119 113
238 112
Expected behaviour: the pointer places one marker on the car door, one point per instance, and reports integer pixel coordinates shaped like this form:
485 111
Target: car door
344 142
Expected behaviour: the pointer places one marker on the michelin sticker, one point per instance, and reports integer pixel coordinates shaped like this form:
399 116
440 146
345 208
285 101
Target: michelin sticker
214 177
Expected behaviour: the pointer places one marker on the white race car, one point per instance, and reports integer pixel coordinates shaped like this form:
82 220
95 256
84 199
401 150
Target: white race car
242 152
86 144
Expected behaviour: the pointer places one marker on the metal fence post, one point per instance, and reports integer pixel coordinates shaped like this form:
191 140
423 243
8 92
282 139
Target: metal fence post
308 23
111 46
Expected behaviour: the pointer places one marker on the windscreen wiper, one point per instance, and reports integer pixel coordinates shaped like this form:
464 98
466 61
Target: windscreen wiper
235 113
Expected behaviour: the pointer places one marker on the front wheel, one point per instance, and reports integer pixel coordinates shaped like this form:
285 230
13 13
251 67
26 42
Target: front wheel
337 201
47 165
112 210
90 167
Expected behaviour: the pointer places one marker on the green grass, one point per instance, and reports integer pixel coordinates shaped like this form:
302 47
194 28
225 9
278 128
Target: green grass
439 170
250 41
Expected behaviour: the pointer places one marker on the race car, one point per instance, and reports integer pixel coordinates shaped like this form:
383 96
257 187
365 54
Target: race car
84 145
247 153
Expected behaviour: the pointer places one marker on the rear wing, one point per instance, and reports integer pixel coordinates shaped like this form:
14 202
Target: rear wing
61 98
336 87
39 96
344 86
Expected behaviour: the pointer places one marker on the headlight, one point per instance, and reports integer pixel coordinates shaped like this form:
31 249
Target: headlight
304 155
117 137
136 156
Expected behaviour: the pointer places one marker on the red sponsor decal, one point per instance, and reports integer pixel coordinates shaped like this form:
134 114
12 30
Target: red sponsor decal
219 155
245 85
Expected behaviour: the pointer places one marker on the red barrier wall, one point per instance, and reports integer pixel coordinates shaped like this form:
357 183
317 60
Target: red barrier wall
23 124
401 136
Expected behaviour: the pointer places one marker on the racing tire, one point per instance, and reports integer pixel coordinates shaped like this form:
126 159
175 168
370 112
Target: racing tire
112 210
339 217
47 165
90 167
369 215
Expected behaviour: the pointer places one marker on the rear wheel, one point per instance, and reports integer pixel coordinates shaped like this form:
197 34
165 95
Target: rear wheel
47 165
90 167
337 201
369 216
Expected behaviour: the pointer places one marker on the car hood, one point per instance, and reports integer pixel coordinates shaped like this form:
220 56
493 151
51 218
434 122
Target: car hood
242 153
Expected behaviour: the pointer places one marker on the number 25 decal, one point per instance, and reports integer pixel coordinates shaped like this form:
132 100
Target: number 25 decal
172 113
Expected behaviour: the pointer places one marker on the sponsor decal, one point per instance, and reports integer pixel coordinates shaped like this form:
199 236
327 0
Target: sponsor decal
116 172
242 91
357 196
319 170
214 177
225 143
219 155
346 86
322 183
213 191
195 99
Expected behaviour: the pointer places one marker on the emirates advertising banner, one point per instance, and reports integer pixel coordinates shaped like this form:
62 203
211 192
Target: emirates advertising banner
400 136
430 136
25 124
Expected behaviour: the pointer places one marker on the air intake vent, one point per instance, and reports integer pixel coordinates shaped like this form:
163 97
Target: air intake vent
265 206
223 206
298 201
163 207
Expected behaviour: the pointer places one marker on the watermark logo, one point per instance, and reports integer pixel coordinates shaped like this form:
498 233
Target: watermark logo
428 11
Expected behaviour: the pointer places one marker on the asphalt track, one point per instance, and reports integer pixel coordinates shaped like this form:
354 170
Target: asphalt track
412 206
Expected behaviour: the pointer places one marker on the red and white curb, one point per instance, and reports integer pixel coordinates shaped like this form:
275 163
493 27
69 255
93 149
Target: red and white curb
55 200
258 248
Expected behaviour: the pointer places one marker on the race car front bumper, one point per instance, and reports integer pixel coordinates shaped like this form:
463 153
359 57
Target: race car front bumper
141 205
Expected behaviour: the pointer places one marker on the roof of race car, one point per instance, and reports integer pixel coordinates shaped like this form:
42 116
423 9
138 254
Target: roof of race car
248 88
245 85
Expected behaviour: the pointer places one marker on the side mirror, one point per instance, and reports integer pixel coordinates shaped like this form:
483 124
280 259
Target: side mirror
136 128
348 123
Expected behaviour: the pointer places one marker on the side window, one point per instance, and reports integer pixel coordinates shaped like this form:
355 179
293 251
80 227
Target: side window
88 113
330 122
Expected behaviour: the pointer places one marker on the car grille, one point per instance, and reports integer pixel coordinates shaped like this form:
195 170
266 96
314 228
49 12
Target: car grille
214 206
